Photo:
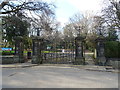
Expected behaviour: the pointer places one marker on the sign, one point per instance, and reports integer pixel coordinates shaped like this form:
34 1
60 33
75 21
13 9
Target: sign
6 49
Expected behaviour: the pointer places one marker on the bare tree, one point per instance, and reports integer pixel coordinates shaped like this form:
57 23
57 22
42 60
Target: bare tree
116 6
111 18
98 26
8 7
46 24
40 14
69 32
81 23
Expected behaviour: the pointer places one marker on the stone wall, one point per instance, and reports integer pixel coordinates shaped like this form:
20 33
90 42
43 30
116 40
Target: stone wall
114 62
9 59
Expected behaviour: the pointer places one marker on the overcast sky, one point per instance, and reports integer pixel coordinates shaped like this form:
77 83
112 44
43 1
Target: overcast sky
67 8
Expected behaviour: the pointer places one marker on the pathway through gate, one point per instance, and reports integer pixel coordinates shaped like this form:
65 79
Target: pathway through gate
89 58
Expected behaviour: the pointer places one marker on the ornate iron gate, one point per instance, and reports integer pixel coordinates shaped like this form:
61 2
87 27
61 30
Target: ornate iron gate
58 52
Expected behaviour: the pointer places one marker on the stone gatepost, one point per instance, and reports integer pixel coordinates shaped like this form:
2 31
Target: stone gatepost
37 47
100 51
19 48
79 56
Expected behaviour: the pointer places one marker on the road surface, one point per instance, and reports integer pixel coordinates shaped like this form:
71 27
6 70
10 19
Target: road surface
57 77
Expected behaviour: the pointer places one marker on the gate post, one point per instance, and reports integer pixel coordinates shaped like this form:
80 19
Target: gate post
100 50
37 46
79 57
19 48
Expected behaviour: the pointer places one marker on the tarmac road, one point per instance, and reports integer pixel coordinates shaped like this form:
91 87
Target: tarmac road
57 77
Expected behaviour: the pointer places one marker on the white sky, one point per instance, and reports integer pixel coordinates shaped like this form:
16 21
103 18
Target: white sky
67 8
83 5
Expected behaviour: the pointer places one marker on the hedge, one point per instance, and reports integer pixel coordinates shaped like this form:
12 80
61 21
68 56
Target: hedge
8 52
112 49
11 52
25 52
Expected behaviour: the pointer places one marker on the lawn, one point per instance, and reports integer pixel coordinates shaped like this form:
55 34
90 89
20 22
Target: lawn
25 52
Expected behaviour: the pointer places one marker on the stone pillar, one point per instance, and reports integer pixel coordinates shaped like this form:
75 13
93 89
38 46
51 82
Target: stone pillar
100 51
19 48
37 47
79 57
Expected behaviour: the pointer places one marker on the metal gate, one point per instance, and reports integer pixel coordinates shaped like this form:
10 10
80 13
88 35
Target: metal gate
58 52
